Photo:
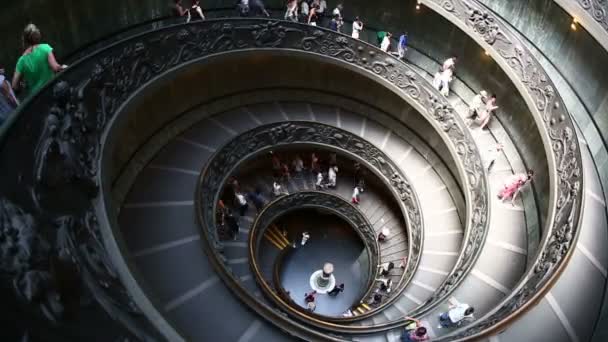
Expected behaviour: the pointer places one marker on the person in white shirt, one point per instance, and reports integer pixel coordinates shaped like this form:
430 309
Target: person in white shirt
332 176
337 11
457 314
357 28
450 63
348 313
384 233
385 284
446 78
277 190
305 237
291 12
304 10
386 42
322 7
386 268
477 103
319 183
242 203
437 80
492 155
355 198
486 113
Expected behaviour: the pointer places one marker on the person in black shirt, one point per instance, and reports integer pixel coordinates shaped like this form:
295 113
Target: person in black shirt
336 290
196 11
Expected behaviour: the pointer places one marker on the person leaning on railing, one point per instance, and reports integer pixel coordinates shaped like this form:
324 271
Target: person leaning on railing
37 65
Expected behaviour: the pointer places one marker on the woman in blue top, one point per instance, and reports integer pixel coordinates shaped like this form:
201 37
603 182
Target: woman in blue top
402 45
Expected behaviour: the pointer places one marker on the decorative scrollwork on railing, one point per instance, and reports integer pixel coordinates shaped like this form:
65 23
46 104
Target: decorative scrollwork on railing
563 226
261 138
58 133
597 9
328 202
48 263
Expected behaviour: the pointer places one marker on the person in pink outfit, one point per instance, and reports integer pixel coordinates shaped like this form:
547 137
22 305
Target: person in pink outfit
356 195
513 185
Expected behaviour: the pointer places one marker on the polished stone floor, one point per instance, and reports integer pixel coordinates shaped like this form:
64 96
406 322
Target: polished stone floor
331 240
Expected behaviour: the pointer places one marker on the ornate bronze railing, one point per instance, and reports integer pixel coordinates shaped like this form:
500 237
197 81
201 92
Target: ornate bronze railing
54 143
562 148
316 200
272 136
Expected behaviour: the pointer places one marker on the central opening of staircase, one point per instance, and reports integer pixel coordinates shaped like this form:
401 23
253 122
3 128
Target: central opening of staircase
326 254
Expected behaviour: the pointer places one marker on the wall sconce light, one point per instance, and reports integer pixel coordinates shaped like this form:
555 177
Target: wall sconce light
573 24
418 5
486 52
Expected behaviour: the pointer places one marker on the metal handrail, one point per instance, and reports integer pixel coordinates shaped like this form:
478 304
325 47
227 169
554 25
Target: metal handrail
565 162
101 85
306 199
272 136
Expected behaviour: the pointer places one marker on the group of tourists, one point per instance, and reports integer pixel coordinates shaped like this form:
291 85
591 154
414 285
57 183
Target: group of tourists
313 12
193 12
457 314
37 65
481 108
385 41
310 299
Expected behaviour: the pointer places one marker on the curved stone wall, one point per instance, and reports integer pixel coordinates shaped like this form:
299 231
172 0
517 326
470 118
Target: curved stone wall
575 54
385 14
516 124
443 39
543 22
153 109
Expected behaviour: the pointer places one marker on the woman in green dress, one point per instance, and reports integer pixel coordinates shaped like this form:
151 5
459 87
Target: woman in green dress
37 65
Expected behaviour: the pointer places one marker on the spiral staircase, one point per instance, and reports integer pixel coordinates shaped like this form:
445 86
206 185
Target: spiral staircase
113 172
